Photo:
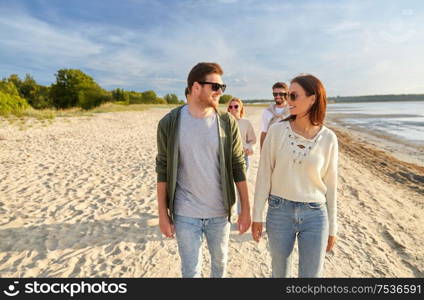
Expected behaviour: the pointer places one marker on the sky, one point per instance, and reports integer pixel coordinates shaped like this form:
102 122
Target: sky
355 47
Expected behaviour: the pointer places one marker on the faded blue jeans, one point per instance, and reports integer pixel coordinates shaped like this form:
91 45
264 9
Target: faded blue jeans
189 233
308 222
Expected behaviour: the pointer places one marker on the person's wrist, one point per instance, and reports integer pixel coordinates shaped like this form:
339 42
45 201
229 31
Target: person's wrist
163 214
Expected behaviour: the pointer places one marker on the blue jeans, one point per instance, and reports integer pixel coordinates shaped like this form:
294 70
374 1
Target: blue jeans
189 234
308 222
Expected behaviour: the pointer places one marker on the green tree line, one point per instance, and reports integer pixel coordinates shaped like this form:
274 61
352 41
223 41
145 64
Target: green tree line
72 88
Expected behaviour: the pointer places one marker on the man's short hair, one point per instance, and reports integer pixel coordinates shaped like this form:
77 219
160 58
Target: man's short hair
280 85
200 71
186 92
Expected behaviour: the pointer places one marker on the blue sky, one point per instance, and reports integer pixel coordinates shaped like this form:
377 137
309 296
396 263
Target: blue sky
354 47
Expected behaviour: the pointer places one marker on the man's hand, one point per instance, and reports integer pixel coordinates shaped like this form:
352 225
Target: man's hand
257 228
166 227
243 222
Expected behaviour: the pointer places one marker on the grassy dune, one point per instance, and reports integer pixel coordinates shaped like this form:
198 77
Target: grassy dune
49 114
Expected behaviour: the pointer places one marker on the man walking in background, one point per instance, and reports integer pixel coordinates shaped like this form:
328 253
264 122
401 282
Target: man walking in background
275 112
200 156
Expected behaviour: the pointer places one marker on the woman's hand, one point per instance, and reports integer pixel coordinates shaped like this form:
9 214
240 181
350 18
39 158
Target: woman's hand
257 228
331 242
248 151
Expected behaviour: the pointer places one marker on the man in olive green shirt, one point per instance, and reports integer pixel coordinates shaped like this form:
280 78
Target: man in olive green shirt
200 156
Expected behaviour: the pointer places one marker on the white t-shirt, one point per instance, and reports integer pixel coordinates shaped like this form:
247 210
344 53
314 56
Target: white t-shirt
267 116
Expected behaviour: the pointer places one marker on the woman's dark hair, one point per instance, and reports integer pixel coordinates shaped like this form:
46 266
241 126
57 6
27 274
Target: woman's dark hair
313 86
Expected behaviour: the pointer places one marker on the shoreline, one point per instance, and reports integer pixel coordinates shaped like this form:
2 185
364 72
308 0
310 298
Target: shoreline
380 162
402 149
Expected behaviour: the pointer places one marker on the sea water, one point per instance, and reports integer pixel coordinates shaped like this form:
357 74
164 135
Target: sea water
402 119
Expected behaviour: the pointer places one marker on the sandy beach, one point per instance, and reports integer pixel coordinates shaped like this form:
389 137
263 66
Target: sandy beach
78 199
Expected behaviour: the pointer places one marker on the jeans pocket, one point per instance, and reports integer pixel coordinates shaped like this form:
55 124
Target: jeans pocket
275 201
315 205
219 220
185 220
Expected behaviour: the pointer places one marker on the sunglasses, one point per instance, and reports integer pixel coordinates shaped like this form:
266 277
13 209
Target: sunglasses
231 106
279 94
293 96
215 86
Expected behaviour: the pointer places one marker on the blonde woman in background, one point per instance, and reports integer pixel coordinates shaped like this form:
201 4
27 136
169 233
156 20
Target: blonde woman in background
236 108
248 137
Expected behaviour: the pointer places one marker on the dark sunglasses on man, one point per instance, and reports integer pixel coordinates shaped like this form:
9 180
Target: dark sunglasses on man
282 95
215 86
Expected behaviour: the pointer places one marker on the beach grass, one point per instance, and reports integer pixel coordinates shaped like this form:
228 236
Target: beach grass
50 114
257 104
47 116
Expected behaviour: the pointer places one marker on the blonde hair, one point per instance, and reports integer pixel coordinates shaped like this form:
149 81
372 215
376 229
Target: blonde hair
238 100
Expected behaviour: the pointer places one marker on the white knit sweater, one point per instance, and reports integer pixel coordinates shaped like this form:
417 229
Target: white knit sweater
298 169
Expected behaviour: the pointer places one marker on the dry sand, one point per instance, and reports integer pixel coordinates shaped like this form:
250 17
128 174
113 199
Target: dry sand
78 199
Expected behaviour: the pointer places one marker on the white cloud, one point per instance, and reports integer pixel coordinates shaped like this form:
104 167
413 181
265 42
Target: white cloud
26 34
344 26
262 44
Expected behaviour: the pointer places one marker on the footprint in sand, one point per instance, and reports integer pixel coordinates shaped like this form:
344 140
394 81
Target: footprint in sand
51 244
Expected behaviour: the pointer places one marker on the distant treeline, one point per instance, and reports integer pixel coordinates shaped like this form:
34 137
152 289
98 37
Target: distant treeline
251 101
371 98
73 88
378 98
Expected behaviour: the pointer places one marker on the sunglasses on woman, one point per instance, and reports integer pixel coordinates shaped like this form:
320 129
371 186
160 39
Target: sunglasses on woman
293 96
233 106
215 86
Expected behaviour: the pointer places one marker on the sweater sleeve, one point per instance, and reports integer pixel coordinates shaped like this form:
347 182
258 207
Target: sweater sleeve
161 157
251 137
263 178
330 181
238 162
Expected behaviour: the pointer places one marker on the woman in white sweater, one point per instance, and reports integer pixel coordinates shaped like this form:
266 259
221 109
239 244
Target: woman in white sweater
297 175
